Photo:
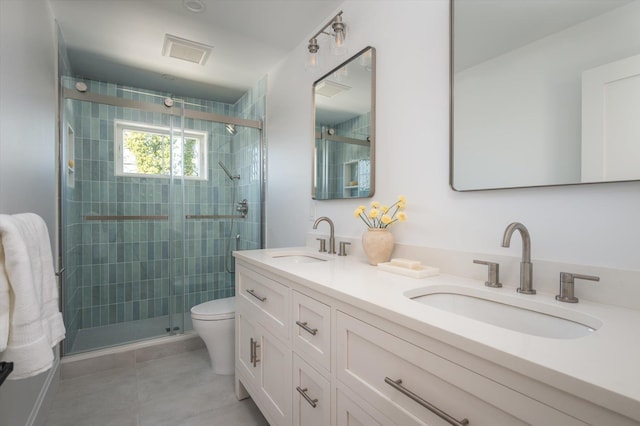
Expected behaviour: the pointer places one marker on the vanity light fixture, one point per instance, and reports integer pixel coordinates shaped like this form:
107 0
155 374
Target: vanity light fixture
339 35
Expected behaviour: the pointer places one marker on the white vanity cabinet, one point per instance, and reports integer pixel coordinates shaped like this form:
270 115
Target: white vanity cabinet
263 356
308 357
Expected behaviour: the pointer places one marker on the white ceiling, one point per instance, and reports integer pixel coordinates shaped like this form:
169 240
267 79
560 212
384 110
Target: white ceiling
121 41
485 29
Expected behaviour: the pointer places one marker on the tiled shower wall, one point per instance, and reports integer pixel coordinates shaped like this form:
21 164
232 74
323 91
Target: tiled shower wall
340 153
126 270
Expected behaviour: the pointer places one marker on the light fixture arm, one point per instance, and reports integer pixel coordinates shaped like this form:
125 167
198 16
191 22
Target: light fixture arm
336 20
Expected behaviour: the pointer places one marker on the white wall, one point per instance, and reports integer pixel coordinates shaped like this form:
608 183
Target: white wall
588 224
28 109
27 157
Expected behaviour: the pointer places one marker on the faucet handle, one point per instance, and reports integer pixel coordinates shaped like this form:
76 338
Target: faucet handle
493 278
323 245
567 286
343 248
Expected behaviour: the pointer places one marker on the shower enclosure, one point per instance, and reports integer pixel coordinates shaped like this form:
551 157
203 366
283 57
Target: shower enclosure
155 194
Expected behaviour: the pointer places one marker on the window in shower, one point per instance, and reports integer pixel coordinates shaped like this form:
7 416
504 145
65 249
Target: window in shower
150 151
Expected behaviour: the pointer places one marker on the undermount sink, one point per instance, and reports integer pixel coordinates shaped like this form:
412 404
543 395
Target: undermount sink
299 256
525 317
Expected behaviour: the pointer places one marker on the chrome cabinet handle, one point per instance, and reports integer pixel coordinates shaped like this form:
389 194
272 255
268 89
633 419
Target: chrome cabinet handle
303 392
251 292
254 355
306 328
397 385
252 351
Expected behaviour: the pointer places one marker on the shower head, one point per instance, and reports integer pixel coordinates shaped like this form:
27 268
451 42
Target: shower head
231 128
232 177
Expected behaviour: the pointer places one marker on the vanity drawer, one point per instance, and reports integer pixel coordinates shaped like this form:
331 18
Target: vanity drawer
311 327
387 371
311 395
269 298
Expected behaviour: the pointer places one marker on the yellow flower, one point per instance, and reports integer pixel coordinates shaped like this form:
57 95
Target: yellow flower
362 208
375 204
384 209
401 205
402 216
385 219
357 212
374 213
402 199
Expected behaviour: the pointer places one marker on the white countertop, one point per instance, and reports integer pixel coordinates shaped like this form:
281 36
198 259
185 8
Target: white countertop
603 367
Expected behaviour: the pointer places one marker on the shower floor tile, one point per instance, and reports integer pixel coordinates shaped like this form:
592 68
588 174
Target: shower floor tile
175 390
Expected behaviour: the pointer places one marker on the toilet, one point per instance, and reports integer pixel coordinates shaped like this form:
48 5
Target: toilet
214 321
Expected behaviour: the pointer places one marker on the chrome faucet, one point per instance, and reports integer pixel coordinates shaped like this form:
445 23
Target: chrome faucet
332 240
526 268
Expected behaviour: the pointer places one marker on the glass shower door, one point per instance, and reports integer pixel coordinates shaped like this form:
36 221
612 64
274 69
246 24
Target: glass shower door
222 213
120 235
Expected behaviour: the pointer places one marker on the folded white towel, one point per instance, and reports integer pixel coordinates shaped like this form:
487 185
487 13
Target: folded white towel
28 280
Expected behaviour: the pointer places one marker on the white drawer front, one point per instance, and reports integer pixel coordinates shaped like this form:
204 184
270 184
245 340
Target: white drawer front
367 356
312 330
311 396
351 413
269 297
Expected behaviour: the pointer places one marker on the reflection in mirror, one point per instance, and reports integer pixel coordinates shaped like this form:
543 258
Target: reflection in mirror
544 92
344 145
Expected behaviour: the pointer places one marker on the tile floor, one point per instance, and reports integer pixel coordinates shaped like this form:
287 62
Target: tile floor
178 390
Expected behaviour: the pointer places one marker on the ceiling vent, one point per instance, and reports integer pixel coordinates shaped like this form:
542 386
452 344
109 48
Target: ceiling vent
329 88
187 50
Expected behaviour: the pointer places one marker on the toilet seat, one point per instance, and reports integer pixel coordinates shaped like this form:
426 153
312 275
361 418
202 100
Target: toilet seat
214 310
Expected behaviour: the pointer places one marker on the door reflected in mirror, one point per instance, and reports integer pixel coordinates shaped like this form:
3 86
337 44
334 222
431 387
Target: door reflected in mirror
344 122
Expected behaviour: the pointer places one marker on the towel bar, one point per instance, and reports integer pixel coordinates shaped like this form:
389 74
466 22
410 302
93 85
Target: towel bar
5 369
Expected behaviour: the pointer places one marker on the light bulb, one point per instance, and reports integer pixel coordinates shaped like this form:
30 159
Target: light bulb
314 58
339 28
339 38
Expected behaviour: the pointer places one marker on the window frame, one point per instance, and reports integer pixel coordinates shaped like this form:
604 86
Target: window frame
120 126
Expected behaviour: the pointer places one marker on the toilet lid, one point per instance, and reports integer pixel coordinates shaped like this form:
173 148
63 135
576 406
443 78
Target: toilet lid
214 309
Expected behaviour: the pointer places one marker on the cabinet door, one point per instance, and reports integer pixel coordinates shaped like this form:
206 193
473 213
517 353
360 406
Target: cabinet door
275 377
264 367
246 334
311 395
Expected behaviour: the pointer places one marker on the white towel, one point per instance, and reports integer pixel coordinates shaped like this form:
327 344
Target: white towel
28 282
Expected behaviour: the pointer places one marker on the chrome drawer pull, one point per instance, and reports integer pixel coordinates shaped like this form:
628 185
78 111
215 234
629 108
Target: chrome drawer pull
397 385
303 392
252 351
306 328
251 292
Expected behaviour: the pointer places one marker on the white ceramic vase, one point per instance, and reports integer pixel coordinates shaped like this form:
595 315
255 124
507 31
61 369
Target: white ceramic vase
378 245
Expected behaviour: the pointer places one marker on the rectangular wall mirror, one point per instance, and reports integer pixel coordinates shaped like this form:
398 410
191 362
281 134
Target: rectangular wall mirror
544 92
344 123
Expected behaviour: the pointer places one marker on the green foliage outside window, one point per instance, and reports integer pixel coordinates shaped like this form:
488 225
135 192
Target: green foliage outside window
152 151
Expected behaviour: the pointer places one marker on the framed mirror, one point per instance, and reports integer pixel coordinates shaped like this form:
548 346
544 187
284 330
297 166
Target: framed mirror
344 123
544 92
